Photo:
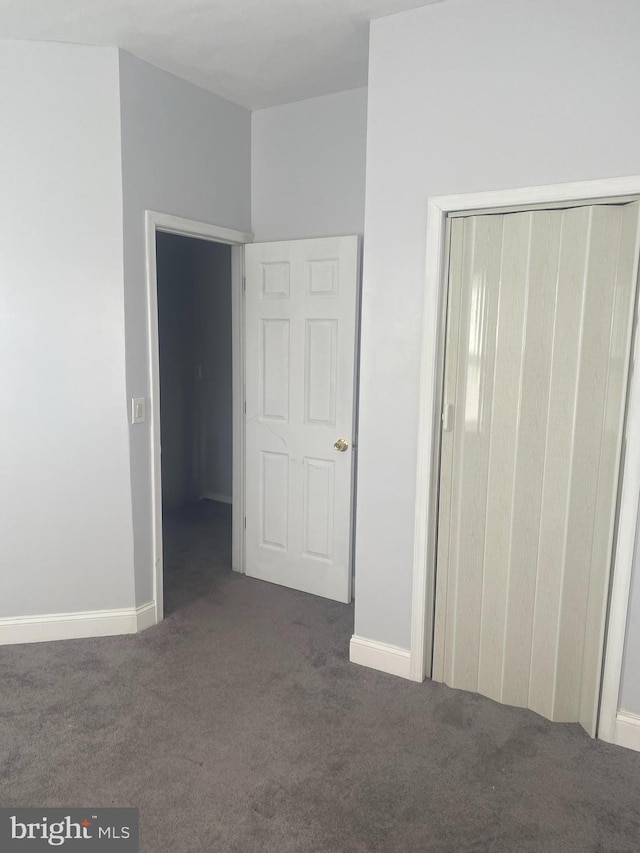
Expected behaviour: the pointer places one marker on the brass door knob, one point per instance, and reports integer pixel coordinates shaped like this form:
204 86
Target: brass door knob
341 445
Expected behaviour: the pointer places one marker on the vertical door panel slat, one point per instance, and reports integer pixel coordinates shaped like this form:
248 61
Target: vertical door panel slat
473 429
551 549
510 324
592 380
532 430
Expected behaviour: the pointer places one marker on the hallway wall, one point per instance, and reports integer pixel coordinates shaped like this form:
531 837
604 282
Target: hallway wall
176 319
212 279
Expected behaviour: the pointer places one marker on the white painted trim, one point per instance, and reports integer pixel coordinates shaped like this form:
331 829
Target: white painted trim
439 208
627 730
356 421
579 191
215 496
153 357
238 405
199 230
146 616
73 626
154 222
426 510
381 656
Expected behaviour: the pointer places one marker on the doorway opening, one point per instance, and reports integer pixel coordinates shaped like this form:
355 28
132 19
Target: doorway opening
196 417
202 272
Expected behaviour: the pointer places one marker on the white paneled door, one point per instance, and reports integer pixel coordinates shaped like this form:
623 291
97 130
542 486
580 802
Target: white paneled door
536 367
301 299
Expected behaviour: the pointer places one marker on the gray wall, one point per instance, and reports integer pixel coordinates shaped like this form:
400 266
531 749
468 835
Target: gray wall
213 353
184 152
464 97
308 167
176 339
194 325
65 502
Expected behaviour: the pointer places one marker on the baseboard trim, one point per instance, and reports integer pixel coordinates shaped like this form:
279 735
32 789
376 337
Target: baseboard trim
380 656
146 616
75 626
628 730
214 496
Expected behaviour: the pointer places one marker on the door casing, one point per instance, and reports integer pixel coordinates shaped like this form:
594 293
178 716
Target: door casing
440 210
155 222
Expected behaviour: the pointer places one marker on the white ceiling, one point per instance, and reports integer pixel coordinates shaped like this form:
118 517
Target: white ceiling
257 53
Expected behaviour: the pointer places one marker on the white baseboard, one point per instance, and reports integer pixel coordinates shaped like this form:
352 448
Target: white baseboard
628 730
146 616
74 626
214 496
381 656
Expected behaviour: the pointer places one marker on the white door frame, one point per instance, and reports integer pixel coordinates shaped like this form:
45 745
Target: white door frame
612 727
167 223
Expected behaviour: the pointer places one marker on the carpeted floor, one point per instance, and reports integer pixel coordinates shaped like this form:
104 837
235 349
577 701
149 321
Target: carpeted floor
239 725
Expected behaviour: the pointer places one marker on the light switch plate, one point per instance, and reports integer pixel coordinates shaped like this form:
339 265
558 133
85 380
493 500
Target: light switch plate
137 410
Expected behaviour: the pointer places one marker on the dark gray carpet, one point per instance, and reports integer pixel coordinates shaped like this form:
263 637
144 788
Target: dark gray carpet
239 725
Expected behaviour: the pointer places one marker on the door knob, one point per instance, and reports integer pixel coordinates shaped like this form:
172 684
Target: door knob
341 445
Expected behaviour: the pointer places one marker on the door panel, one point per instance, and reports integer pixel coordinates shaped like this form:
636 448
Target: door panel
301 299
537 348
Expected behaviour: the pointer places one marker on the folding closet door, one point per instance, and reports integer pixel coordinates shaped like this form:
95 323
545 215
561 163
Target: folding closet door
536 363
